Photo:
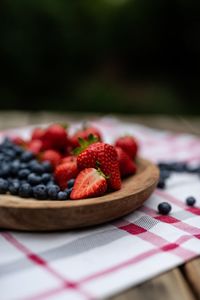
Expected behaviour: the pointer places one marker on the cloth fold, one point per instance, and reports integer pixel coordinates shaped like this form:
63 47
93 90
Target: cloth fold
100 261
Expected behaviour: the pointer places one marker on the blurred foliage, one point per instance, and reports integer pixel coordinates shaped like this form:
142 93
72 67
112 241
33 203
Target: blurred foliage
129 56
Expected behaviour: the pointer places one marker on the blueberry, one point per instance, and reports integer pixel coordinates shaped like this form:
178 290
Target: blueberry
3 186
164 174
53 191
18 150
47 166
70 183
25 190
5 170
27 156
23 166
40 192
190 201
46 177
68 191
161 184
14 187
34 179
23 173
164 208
10 153
15 166
50 183
37 168
62 196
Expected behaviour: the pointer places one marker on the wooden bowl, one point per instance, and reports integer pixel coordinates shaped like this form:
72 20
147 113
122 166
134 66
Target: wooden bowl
36 215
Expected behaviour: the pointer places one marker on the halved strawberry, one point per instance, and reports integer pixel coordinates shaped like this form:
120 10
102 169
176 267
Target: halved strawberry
126 165
128 144
104 156
52 156
84 134
65 172
89 183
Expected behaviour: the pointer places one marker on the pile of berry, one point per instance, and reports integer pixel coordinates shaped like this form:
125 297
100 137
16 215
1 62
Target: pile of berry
23 175
166 169
55 165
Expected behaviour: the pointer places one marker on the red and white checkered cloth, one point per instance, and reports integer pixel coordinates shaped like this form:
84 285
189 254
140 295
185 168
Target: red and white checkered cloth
101 261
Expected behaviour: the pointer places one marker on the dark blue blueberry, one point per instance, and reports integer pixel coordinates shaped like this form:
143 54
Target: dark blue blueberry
62 196
18 150
10 153
190 201
27 156
51 182
53 191
40 192
46 177
70 183
68 191
34 179
23 166
5 170
14 187
23 173
193 169
15 166
3 186
161 184
25 190
7 143
164 208
37 168
164 174
47 166
32 162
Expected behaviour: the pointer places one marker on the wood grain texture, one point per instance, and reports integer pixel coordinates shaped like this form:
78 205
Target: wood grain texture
170 285
36 215
192 273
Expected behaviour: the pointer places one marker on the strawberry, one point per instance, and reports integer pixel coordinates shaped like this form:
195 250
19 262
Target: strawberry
55 137
35 146
89 183
70 158
52 156
128 144
84 134
64 172
126 164
37 134
104 156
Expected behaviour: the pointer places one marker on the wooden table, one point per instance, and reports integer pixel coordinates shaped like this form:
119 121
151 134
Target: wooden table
180 283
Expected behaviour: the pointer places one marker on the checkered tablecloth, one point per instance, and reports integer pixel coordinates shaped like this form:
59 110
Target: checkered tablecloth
101 261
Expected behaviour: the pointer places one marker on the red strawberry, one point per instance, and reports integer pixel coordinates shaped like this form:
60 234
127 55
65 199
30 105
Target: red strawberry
55 137
64 172
128 144
89 183
103 156
52 156
35 146
37 134
70 158
126 164
84 134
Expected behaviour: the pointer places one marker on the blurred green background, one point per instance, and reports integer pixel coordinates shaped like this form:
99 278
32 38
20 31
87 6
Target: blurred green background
123 56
